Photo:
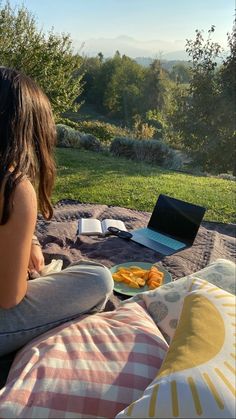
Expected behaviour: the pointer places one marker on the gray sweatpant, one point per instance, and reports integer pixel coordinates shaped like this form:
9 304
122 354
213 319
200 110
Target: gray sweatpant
82 287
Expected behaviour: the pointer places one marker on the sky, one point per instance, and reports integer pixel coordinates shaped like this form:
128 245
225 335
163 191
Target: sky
135 27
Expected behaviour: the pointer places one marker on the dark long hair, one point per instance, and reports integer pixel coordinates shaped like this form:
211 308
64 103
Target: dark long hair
27 139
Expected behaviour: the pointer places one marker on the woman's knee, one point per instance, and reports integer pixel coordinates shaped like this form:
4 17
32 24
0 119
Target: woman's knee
106 280
94 273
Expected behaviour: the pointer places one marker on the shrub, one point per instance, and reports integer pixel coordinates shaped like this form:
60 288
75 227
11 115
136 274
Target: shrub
123 147
227 176
69 137
152 151
90 142
142 130
67 122
103 131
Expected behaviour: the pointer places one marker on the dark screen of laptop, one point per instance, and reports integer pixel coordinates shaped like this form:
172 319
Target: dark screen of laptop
176 218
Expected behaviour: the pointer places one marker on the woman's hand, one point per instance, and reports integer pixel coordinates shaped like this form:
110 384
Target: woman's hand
36 262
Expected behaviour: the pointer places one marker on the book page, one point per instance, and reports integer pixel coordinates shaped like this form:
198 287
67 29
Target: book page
90 227
108 222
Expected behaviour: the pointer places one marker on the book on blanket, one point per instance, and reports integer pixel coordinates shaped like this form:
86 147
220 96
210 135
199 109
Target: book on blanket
95 227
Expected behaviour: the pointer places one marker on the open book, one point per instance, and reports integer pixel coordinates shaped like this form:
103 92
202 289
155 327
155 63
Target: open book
94 227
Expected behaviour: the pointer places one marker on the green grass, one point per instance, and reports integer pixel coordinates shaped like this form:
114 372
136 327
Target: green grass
97 178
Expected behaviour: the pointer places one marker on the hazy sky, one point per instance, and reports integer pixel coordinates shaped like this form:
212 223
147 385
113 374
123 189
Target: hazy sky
171 21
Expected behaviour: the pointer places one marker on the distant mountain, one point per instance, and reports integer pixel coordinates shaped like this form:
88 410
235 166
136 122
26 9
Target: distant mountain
144 50
144 61
167 64
176 55
127 45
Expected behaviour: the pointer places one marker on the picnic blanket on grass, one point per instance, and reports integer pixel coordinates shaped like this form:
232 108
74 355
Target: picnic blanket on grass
59 240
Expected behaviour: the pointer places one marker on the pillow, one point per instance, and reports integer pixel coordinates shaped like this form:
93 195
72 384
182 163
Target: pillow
221 273
164 304
94 366
197 377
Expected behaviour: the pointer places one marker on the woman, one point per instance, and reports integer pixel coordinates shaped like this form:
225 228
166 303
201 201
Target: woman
27 138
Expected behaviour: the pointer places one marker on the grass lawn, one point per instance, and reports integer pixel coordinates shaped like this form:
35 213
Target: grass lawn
98 178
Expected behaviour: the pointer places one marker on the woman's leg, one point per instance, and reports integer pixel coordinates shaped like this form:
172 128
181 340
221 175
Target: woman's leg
81 288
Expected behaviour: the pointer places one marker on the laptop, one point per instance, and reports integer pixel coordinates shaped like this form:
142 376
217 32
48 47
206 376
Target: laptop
172 227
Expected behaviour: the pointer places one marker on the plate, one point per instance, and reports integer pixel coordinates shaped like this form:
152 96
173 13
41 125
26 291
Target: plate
123 288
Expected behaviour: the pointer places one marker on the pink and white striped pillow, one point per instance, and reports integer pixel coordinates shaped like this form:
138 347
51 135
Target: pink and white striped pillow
94 366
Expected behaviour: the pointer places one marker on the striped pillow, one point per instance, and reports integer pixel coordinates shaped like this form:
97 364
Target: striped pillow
94 366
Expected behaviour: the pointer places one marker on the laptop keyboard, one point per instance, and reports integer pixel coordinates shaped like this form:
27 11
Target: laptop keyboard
160 238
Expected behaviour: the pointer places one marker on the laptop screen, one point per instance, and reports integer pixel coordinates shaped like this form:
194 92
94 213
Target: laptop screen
176 218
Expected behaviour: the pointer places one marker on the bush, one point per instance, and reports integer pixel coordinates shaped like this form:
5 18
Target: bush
142 130
102 130
123 147
47 57
69 137
90 142
67 122
151 151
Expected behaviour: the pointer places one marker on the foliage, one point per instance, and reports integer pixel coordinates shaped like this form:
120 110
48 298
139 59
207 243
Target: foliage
90 70
123 93
152 151
141 129
180 73
126 91
155 88
67 137
66 121
202 116
47 58
103 179
191 107
70 138
102 130
90 142
227 81
157 120
115 86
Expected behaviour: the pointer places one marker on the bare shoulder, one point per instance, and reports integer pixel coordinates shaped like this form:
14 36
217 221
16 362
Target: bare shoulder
24 199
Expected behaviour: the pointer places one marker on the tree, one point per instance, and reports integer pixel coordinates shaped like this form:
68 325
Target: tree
156 92
122 96
199 119
90 70
47 58
227 80
180 73
155 87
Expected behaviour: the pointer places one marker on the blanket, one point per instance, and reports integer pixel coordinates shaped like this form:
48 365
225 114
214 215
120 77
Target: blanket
59 240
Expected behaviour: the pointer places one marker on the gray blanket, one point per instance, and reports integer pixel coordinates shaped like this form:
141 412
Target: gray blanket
59 239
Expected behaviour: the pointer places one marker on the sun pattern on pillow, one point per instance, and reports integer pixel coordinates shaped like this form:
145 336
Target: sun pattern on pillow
165 303
222 273
91 367
197 377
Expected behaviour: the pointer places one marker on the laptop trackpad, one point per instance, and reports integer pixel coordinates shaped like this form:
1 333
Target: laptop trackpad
151 244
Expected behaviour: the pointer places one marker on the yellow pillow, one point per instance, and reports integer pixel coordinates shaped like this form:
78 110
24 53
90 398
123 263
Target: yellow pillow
197 377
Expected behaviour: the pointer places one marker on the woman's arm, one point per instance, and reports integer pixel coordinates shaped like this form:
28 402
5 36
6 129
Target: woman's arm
15 245
36 261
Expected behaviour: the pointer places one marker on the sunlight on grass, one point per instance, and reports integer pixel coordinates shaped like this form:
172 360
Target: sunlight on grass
97 178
